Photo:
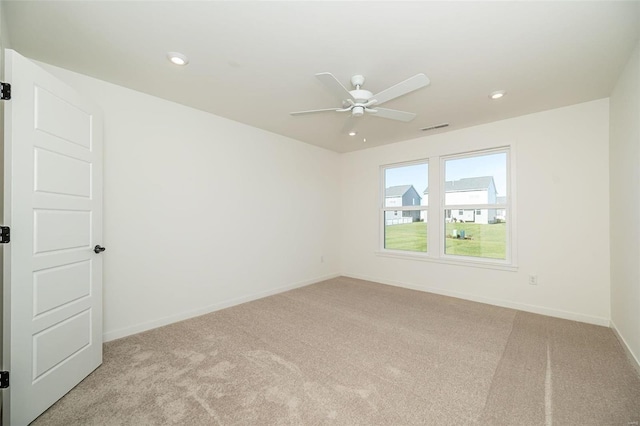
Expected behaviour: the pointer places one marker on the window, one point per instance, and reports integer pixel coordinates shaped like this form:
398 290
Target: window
470 204
405 187
473 183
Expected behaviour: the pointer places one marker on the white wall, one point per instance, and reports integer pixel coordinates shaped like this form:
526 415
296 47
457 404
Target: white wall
172 174
624 165
562 160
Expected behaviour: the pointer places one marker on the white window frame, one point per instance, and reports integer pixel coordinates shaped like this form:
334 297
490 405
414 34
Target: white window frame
436 213
501 206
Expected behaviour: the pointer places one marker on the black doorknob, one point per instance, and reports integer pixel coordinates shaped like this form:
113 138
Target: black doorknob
99 249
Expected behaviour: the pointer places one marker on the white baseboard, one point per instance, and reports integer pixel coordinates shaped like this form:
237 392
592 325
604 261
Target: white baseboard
148 325
632 357
574 316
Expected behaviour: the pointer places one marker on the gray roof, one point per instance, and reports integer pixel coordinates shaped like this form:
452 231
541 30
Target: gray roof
397 191
467 184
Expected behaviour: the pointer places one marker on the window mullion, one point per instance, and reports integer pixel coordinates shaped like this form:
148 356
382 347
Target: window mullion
435 218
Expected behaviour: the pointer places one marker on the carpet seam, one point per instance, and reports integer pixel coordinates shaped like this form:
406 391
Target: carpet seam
495 372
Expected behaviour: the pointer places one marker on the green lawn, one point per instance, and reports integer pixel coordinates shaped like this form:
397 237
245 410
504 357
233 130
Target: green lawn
485 240
408 236
488 241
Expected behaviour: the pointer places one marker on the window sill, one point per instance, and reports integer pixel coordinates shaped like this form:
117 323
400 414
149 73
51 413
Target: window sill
446 261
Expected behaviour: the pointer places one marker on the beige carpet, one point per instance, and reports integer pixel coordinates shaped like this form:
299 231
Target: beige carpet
351 352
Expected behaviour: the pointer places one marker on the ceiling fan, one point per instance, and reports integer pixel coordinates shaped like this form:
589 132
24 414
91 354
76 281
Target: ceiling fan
360 101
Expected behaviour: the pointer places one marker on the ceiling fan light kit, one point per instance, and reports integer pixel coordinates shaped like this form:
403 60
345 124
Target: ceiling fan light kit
359 101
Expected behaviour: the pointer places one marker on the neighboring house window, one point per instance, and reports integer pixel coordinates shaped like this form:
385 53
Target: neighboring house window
403 187
470 206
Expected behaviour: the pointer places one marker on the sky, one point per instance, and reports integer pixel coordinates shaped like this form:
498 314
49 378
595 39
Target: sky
485 165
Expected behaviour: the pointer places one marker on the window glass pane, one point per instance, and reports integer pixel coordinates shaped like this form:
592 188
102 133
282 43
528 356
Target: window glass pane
406 185
406 230
470 236
481 179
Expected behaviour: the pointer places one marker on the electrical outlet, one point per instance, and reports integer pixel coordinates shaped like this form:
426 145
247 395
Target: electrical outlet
533 280
321 259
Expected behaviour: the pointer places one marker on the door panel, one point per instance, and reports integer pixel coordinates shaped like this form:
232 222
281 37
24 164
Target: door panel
71 123
75 181
54 287
58 342
61 230
53 203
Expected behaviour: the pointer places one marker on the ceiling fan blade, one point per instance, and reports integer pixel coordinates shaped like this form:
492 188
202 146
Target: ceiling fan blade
393 114
334 85
409 85
312 111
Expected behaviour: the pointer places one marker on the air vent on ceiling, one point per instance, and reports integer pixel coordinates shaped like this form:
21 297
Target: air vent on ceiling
437 126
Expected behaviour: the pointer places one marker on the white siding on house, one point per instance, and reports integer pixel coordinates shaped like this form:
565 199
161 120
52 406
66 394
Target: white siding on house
424 202
466 197
465 215
472 197
393 202
492 195
393 217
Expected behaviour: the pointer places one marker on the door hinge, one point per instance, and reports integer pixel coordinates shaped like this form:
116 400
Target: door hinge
6 91
5 234
4 379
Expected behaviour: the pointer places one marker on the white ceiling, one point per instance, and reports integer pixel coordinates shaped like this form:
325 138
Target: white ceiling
254 62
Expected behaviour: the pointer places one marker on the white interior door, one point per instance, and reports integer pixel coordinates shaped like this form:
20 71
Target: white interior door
53 204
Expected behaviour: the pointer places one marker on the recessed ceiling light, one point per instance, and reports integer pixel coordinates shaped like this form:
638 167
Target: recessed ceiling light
364 140
353 133
177 58
497 94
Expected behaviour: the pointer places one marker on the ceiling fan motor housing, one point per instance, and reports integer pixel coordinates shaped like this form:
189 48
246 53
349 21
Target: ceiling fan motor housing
361 98
361 95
